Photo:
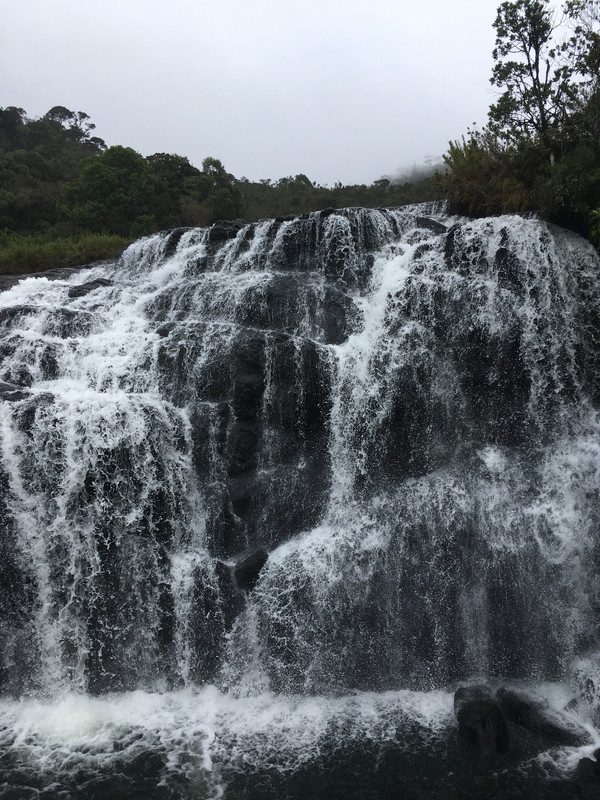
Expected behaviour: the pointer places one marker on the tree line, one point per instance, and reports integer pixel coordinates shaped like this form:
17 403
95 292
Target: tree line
66 198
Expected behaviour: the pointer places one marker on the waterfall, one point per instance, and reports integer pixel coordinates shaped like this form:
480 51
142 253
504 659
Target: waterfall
399 408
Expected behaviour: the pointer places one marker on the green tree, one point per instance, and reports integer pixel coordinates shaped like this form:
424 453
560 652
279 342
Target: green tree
179 189
36 157
541 149
112 193
225 199
12 122
584 51
532 73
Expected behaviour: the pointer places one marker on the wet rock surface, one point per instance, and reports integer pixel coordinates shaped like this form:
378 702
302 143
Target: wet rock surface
89 286
12 393
480 720
587 777
536 718
248 566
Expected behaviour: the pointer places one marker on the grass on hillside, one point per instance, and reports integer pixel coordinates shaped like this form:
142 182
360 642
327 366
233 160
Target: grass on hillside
23 254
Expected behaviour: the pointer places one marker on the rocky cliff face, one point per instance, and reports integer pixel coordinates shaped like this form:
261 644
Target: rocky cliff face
398 408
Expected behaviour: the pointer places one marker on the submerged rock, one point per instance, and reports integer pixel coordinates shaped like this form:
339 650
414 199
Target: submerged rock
480 720
86 288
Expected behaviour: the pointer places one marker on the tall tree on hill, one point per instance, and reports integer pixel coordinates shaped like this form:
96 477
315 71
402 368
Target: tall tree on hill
533 74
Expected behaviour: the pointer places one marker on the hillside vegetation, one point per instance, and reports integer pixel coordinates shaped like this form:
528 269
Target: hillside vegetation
540 151
67 199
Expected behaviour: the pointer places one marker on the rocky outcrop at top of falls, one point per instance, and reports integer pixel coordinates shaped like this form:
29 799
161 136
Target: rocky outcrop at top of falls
350 449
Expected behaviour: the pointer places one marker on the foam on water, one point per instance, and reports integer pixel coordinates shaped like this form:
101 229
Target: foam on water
204 731
210 737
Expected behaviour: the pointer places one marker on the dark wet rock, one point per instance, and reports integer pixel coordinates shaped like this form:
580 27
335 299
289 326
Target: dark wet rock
14 312
223 230
172 241
587 777
248 566
232 599
89 286
60 274
509 270
465 254
266 505
13 393
534 717
430 224
420 251
451 243
428 790
480 720
235 577
165 330
224 573
496 381
66 322
288 301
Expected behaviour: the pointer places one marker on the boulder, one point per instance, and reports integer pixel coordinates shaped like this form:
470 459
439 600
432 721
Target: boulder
480 720
430 224
235 577
86 288
15 312
223 230
535 718
172 241
587 777
165 330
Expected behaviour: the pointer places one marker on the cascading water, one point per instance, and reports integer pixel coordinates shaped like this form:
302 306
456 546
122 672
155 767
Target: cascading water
401 407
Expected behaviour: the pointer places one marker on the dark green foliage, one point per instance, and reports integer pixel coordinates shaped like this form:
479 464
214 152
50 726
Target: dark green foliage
541 149
480 179
112 192
36 157
572 188
65 196
298 195
178 190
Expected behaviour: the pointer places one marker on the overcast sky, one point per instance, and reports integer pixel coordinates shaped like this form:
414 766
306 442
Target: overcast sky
341 91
